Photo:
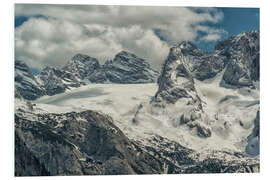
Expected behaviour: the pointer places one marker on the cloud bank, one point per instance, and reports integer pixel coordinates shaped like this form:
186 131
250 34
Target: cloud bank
54 33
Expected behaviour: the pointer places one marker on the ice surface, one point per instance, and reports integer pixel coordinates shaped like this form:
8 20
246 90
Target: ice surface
230 112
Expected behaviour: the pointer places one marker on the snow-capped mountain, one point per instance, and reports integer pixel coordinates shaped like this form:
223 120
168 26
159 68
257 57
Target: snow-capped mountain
239 55
202 115
126 68
82 66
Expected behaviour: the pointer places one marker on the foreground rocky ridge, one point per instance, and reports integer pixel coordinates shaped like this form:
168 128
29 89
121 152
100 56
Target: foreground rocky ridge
88 143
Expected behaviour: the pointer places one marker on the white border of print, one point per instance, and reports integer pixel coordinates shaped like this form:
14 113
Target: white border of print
7 82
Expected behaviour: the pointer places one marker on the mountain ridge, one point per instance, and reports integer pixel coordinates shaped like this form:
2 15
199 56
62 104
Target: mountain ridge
82 69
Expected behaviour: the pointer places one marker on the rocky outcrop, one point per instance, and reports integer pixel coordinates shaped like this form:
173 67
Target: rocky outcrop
253 146
243 58
256 129
191 161
55 80
78 143
25 162
125 68
176 81
202 65
82 65
177 87
26 83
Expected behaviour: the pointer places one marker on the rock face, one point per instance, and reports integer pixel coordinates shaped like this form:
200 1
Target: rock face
126 68
190 161
202 65
85 143
177 87
256 129
26 83
82 65
176 81
56 81
253 146
243 58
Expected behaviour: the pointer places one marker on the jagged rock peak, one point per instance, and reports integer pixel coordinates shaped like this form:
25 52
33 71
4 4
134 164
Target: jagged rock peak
82 65
126 54
125 68
176 81
26 83
245 39
83 58
20 65
242 54
185 45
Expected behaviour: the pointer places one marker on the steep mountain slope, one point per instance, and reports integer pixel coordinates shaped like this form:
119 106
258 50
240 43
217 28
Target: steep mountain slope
202 65
176 86
82 65
126 68
26 83
79 143
243 58
56 81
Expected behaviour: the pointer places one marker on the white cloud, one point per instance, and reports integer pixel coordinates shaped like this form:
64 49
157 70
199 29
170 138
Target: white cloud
211 34
103 31
211 37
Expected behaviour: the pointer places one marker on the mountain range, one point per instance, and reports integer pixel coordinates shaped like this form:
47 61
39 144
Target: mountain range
199 114
125 68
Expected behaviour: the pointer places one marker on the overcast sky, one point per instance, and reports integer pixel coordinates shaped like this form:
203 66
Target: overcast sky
49 35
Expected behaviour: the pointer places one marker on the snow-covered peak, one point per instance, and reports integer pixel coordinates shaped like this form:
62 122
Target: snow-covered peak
20 65
126 55
176 82
125 68
240 41
83 58
81 65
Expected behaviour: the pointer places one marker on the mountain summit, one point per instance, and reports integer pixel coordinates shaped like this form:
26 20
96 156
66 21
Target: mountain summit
126 68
